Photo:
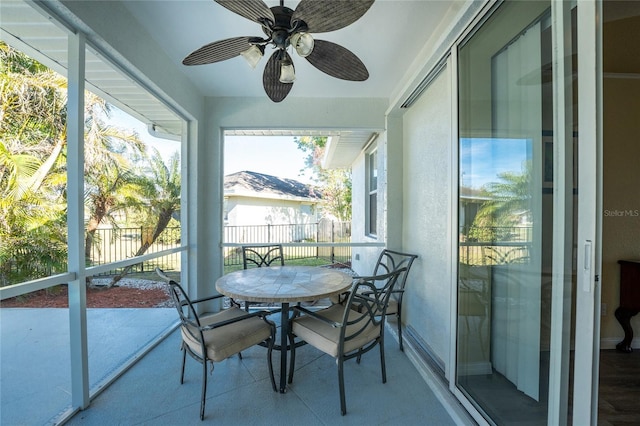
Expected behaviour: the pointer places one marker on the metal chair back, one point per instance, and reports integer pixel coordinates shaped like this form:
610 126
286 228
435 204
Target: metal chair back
189 320
370 298
257 256
390 261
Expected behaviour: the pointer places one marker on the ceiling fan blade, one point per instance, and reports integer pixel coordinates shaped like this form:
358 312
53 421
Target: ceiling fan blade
329 15
217 51
255 10
337 61
276 90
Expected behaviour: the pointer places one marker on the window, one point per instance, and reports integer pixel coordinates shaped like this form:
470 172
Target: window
372 193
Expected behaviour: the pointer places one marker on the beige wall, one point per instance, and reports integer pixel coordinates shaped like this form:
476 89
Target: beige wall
363 259
427 215
243 211
621 198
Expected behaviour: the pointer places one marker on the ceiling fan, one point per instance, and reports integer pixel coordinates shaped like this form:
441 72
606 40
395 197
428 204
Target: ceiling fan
286 28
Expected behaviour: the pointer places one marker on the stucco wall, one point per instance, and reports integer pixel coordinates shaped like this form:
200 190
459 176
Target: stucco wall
621 201
363 259
427 215
242 211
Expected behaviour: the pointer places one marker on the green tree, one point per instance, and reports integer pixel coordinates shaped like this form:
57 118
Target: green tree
508 200
161 188
111 184
32 137
33 241
335 184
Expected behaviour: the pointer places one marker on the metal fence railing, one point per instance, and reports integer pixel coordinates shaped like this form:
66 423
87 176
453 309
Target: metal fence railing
495 245
324 231
112 245
477 246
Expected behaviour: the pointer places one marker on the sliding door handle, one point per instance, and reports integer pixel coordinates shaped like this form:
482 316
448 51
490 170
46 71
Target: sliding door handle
586 270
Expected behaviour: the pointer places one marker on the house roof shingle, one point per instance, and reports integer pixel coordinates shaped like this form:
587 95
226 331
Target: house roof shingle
260 183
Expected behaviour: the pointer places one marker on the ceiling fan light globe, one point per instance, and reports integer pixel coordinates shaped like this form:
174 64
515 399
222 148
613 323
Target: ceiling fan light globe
303 43
253 55
287 72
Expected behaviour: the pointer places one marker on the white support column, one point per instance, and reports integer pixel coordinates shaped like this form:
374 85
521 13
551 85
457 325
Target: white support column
75 222
390 186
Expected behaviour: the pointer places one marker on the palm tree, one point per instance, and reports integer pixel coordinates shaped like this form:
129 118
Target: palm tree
508 200
111 186
32 136
161 189
33 170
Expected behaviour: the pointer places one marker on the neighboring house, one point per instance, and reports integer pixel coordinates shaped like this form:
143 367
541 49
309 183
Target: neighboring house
252 198
507 344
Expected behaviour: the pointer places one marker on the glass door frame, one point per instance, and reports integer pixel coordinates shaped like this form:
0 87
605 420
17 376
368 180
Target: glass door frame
587 249
589 241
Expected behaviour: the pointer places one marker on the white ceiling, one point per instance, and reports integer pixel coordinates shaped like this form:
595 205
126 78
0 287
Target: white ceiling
387 39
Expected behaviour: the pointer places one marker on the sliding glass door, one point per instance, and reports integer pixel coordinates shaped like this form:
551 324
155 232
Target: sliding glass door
516 204
530 143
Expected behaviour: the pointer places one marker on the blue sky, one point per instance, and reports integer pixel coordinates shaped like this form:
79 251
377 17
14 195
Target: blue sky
166 147
272 155
482 159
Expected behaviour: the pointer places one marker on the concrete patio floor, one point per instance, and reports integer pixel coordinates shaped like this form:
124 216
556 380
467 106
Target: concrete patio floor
239 391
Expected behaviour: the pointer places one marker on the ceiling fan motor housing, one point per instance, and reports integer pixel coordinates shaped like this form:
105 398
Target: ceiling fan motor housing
282 29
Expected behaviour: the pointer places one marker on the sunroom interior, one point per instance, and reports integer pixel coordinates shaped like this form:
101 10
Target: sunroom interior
133 61
192 109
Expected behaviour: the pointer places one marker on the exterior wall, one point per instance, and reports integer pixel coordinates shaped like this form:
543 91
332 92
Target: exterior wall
415 213
428 218
243 211
363 259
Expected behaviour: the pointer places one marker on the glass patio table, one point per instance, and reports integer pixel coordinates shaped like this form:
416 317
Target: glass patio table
284 285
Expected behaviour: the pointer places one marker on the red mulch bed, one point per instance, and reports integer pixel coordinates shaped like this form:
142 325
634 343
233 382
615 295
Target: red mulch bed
114 297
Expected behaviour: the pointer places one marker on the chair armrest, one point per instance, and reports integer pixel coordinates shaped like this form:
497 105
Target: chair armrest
205 299
261 314
318 317
367 293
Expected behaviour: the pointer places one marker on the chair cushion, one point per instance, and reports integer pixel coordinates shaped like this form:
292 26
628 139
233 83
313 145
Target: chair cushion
223 342
325 337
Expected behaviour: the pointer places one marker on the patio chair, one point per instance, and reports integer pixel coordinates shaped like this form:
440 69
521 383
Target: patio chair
257 256
345 333
389 261
216 337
